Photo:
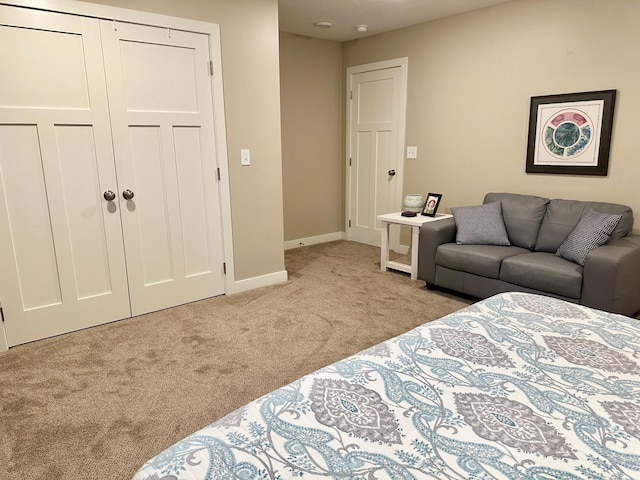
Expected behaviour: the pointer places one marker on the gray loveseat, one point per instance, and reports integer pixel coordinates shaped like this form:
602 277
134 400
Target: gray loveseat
536 228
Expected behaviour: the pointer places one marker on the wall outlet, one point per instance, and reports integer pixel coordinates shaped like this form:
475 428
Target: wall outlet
412 152
245 157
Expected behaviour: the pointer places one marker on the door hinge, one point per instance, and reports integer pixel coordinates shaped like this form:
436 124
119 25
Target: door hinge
218 169
224 268
211 67
349 223
350 94
349 162
2 314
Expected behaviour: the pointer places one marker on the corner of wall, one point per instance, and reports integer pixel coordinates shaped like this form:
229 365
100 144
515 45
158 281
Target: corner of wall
260 281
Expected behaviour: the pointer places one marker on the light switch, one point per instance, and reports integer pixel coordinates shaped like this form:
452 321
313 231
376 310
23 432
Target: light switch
245 156
412 152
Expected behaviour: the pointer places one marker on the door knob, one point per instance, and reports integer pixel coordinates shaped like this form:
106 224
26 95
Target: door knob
127 194
391 173
109 196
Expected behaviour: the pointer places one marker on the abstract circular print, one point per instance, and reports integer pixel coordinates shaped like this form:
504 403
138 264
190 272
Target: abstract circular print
568 133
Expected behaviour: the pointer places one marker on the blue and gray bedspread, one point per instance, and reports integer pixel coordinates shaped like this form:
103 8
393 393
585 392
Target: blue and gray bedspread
517 386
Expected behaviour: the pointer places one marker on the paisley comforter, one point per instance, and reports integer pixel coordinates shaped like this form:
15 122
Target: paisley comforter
517 386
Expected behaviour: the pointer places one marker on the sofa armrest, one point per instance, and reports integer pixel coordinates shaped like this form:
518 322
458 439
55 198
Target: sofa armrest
433 234
611 278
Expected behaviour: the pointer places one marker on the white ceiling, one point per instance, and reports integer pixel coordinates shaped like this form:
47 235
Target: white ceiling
297 16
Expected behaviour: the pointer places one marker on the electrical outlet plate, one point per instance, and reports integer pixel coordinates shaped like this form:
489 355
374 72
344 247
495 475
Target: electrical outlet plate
245 156
412 152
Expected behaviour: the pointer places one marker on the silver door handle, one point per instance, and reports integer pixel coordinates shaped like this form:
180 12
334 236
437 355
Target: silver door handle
127 194
109 196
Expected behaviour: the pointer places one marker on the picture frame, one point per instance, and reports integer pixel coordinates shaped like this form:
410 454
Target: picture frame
571 133
430 206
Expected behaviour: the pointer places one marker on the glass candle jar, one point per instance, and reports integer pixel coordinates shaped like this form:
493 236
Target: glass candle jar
413 202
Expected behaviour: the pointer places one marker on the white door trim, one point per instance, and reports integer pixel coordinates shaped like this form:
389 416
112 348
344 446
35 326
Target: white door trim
4 345
213 31
403 63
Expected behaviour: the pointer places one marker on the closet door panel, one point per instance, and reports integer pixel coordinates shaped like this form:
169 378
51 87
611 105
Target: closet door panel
61 250
80 182
57 56
26 217
162 119
192 200
168 68
151 205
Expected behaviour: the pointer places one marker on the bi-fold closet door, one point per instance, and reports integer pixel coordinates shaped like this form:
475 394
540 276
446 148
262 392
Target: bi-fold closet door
109 202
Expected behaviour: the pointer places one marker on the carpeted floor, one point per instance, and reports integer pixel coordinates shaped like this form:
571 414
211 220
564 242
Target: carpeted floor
96 404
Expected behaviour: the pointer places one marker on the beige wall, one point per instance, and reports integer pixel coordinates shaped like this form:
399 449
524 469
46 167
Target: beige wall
470 82
311 101
250 59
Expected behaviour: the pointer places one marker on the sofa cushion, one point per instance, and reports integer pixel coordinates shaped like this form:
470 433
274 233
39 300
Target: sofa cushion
480 225
545 272
593 229
483 260
563 215
522 216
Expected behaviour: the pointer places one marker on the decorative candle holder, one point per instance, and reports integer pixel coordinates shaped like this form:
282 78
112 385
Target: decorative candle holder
413 202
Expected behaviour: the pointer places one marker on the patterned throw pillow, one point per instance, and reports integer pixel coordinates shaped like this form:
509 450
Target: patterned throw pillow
480 225
593 229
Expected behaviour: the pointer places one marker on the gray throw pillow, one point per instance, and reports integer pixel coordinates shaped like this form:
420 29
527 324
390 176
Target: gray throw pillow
593 229
480 225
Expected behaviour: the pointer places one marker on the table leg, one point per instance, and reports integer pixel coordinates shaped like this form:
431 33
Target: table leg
415 236
384 246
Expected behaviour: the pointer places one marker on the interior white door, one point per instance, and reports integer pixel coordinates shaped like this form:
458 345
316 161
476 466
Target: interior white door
376 135
163 134
61 253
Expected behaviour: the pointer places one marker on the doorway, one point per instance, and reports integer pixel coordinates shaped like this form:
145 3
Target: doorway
376 106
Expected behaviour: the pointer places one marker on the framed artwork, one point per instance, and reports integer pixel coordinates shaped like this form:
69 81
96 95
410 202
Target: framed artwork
571 133
431 205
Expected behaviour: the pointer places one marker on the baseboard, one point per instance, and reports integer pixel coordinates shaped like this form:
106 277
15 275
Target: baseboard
279 277
331 237
261 281
303 242
403 249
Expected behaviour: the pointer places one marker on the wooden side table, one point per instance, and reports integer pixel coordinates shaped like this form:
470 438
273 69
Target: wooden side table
415 223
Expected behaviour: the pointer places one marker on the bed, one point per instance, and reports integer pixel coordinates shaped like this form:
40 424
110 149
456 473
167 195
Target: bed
517 386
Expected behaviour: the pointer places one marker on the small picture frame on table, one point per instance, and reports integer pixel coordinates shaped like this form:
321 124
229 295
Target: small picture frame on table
431 205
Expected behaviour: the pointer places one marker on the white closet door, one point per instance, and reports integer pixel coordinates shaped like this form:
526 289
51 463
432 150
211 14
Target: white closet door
162 122
61 254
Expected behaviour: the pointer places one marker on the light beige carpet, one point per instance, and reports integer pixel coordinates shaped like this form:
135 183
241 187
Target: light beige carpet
96 404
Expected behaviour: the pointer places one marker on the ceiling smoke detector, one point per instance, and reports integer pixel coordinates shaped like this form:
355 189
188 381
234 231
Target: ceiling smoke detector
323 24
361 28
